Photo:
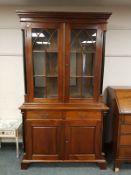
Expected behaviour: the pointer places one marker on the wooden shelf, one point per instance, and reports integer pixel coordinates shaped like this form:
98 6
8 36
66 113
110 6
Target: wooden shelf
39 75
47 76
84 76
80 52
43 51
78 95
52 76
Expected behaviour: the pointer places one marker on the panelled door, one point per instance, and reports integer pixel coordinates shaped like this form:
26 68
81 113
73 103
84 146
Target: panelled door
45 139
83 140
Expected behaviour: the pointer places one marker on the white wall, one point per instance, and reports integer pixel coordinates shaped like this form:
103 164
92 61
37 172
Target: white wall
117 60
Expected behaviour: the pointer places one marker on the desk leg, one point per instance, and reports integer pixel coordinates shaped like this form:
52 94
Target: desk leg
17 144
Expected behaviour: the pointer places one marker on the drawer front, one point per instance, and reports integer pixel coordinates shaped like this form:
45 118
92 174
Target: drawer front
126 129
7 133
126 119
125 139
74 115
44 114
125 152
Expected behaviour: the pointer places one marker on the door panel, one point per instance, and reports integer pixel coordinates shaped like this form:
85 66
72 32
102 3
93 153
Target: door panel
82 59
83 140
45 62
45 140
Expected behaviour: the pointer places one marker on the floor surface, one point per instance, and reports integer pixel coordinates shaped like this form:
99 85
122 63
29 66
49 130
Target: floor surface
10 165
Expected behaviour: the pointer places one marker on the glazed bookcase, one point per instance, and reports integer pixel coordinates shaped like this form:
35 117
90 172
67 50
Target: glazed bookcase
63 64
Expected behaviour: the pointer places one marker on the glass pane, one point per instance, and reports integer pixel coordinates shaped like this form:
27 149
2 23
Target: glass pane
52 89
87 87
51 64
81 87
82 59
44 40
39 63
75 87
39 87
45 62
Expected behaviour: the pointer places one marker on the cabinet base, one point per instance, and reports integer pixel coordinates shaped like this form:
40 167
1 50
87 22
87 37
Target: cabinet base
100 162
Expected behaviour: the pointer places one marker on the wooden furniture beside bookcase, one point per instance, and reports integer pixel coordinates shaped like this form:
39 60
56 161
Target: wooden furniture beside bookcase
63 111
121 105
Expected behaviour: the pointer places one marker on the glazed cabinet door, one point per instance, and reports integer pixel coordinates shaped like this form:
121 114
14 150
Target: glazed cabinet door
44 140
84 54
83 140
44 62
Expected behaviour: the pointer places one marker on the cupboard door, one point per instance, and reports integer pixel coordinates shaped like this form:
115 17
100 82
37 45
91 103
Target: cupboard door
45 62
44 140
83 140
83 59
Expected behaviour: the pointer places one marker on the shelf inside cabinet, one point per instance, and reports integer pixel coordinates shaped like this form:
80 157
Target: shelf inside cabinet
76 95
39 75
81 76
82 52
46 76
45 51
52 76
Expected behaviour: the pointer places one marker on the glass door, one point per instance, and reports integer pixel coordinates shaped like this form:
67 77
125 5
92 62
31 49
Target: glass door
82 62
45 55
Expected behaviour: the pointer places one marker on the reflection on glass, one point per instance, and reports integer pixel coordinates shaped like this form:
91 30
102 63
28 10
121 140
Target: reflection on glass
82 59
81 65
44 40
45 62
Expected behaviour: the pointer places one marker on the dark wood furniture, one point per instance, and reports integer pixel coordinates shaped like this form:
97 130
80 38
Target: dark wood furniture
120 98
63 111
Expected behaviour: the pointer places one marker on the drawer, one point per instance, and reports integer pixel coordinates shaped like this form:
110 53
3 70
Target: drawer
125 129
126 119
72 115
125 152
7 133
125 139
44 114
